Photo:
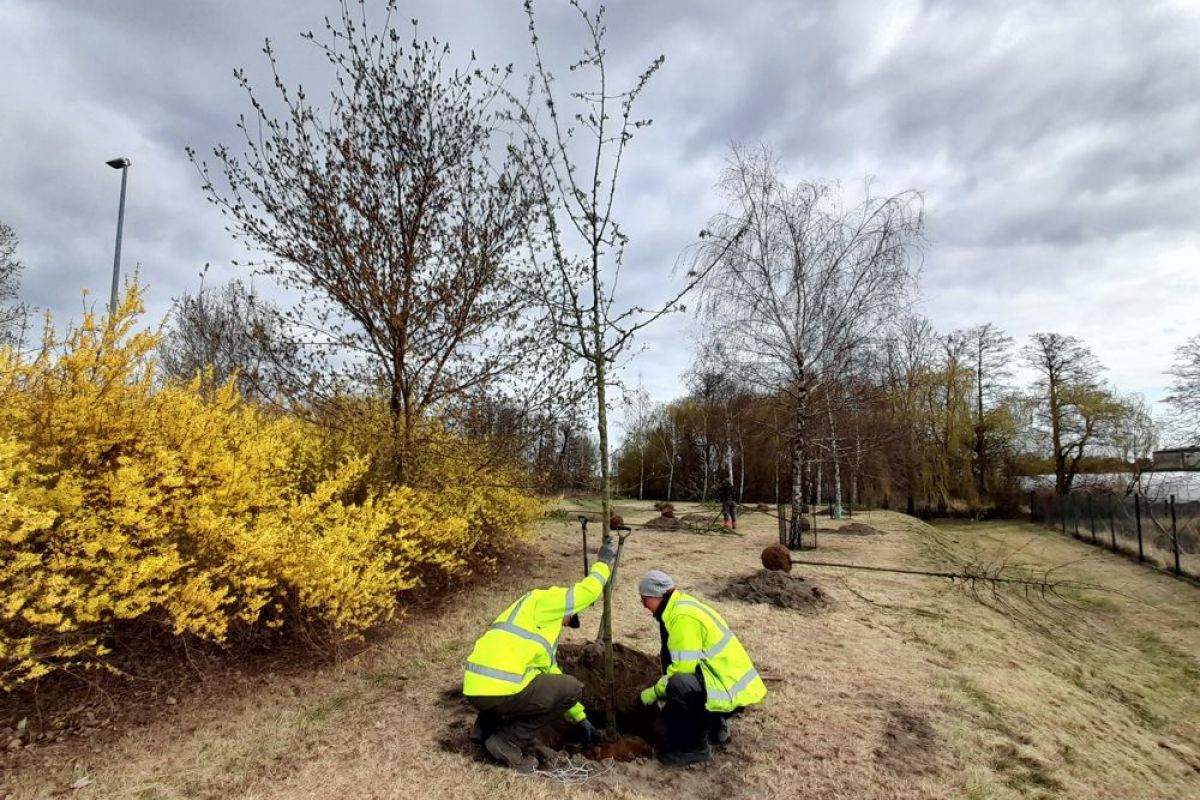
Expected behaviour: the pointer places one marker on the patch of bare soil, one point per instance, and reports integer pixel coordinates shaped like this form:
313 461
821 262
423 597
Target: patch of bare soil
633 671
665 524
909 743
777 588
859 529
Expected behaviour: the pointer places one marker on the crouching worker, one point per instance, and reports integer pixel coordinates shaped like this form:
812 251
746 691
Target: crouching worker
512 676
707 674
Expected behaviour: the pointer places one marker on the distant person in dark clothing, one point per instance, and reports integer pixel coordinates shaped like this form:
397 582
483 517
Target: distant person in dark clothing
728 507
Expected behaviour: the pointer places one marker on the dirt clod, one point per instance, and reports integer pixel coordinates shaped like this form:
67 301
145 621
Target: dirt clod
777 588
615 521
777 557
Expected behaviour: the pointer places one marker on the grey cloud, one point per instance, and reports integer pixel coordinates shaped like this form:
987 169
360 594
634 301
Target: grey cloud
1055 142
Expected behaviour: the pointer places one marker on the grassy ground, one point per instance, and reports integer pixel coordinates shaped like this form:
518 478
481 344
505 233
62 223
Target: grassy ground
906 687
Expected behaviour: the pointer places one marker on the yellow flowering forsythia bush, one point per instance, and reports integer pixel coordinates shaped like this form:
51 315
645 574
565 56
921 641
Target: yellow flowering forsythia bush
126 501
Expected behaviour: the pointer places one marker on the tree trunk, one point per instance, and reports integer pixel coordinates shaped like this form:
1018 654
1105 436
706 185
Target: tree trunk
795 534
600 366
641 470
742 474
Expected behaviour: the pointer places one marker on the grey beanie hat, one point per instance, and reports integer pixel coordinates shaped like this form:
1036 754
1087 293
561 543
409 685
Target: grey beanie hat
655 583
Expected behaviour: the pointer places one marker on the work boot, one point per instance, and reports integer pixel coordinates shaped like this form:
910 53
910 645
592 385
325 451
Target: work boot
509 754
718 732
478 735
678 758
485 725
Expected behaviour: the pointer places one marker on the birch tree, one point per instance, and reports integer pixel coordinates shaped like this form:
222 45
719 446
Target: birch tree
801 280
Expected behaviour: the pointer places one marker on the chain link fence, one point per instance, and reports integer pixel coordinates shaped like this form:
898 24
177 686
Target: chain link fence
1160 532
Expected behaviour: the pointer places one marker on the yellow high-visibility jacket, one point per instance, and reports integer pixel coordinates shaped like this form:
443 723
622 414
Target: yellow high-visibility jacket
523 641
697 637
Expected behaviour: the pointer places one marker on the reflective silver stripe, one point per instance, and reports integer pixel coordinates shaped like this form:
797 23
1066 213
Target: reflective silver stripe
598 575
517 608
570 601
737 689
498 674
699 655
515 630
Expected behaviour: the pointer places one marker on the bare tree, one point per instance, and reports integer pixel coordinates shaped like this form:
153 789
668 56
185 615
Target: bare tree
1135 438
801 281
576 147
640 415
231 331
398 211
668 436
1076 411
13 313
991 352
1184 397
908 361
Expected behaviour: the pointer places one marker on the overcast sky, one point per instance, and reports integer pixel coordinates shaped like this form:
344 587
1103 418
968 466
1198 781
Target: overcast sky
1057 143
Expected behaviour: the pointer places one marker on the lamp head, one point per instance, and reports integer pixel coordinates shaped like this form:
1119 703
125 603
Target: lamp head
119 163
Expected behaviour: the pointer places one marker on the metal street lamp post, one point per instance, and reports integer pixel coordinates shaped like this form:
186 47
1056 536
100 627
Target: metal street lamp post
123 165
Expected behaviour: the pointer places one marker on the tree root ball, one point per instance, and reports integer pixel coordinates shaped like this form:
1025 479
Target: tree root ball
777 557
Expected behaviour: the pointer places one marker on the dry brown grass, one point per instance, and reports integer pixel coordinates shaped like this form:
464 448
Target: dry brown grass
907 687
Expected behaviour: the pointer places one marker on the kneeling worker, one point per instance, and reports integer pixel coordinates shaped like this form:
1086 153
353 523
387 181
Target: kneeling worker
707 674
512 676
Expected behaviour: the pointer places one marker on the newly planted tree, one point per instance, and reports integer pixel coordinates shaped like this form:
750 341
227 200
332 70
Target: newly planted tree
577 137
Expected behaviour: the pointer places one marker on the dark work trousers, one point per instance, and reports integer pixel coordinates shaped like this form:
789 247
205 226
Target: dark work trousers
684 722
520 717
729 511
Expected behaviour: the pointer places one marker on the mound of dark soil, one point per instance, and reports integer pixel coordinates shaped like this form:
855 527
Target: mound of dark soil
859 529
665 523
778 589
777 557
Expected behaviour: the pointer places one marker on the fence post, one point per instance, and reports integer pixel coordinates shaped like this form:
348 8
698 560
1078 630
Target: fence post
1091 518
1112 525
783 523
1032 512
1137 513
1062 512
1174 535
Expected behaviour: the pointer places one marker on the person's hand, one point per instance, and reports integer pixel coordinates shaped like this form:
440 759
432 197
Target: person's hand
608 551
649 696
587 732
